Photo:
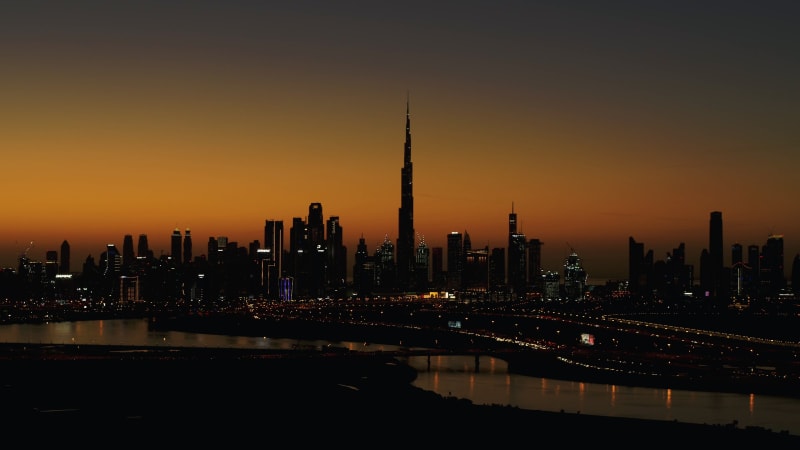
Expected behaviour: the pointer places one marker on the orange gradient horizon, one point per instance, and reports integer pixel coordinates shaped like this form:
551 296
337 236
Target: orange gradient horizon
598 124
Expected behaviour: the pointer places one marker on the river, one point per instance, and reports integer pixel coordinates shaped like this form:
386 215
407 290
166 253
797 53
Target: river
487 383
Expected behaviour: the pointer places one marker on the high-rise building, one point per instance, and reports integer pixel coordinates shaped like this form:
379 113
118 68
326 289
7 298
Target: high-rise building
535 264
406 236
497 269
64 267
475 269
176 241
637 275
128 256
772 273
385 266
363 270
421 266
715 254
273 244
51 265
143 249
517 258
336 256
574 277
455 260
315 250
187 247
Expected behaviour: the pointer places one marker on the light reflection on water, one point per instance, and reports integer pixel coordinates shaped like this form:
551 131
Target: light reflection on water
491 384
488 383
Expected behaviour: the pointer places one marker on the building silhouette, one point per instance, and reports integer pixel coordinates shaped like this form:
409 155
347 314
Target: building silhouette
455 260
336 257
422 266
272 263
187 247
406 258
64 266
714 279
128 255
176 241
142 247
772 273
517 257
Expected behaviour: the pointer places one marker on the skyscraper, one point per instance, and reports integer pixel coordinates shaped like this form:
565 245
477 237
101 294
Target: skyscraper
421 268
336 255
715 253
187 247
406 235
176 246
273 243
64 267
128 257
455 260
517 260
143 249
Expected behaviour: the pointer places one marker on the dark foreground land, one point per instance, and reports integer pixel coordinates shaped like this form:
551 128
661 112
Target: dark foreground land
237 398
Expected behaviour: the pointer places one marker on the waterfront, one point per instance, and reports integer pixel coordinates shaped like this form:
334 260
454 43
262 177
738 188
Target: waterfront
457 376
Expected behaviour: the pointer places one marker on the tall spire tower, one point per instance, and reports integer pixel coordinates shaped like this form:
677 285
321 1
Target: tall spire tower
406 236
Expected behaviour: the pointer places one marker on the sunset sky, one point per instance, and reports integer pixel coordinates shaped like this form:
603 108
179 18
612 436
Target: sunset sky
597 120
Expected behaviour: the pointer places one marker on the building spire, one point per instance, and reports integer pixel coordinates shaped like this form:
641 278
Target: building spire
407 153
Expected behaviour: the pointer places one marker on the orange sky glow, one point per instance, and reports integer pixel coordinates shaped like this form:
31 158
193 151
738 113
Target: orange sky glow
597 124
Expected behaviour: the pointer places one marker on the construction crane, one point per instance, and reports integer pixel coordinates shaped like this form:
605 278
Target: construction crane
24 254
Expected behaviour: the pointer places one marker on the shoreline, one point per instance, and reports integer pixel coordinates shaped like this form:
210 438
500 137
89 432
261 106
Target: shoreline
231 392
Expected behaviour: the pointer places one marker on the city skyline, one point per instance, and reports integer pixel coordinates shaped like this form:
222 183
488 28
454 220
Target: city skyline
598 123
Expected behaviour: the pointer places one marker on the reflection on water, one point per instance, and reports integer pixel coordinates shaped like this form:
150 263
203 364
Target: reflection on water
483 380
489 383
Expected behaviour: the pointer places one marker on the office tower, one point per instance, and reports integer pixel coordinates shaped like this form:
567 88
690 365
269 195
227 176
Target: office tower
796 275
385 267
421 266
336 256
273 244
679 275
715 254
51 265
455 260
497 269
112 262
535 264
64 267
475 271
517 258
315 250
636 273
406 235
187 247
753 269
213 254
297 242
772 275
574 277
128 257
143 248
736 254
222 249
176 246
363 270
